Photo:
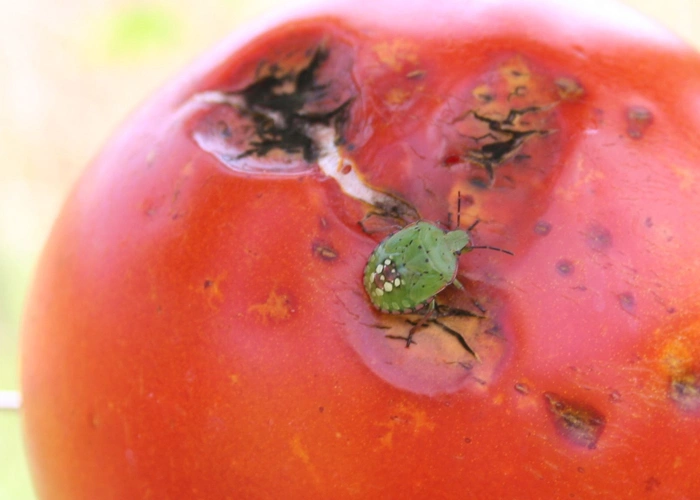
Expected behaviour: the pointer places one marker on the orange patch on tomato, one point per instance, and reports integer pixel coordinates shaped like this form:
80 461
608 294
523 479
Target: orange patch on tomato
276 308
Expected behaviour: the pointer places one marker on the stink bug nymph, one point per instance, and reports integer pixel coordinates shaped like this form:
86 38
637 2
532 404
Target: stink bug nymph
410 267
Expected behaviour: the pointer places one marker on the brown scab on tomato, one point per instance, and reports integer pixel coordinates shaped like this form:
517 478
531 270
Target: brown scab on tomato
580 424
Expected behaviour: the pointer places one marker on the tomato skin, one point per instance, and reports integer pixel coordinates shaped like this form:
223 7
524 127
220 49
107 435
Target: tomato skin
199 332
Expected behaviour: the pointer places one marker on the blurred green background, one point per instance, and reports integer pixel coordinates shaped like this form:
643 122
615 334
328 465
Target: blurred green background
70 72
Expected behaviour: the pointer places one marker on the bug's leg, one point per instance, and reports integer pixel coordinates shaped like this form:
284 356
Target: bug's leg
408 339
459 338
421 323
378 221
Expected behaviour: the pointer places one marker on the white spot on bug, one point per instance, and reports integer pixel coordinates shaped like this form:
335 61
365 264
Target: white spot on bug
387 262
388 287
397 282
379 269
394 305
378 292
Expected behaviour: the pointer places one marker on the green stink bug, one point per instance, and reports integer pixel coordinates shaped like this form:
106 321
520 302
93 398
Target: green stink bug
407 270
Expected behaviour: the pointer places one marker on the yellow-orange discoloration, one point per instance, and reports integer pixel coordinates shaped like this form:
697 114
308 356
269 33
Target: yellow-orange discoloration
685 176
483 93
397 54
406 419
679 349
300 451
397 96
568 89
276 308
516 73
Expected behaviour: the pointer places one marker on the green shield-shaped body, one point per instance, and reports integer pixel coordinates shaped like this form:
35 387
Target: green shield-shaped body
410 267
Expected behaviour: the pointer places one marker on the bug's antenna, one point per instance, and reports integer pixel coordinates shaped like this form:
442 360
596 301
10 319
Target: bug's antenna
493 248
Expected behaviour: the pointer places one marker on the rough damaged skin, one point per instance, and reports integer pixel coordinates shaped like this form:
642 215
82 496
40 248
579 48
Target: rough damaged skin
198 326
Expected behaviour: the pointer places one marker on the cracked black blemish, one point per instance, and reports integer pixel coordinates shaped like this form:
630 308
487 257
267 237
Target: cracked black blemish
442 311
446 329
564 267
381 327
282 122
276 105
507 139
581 425
684 390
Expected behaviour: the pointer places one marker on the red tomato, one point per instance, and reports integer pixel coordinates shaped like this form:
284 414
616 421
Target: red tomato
199 326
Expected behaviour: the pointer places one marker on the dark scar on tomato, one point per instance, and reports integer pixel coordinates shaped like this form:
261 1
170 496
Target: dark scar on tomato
276 105
542 228
638 120
324 251
627 302
565 267
506 138
684 390
580 424
598 238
